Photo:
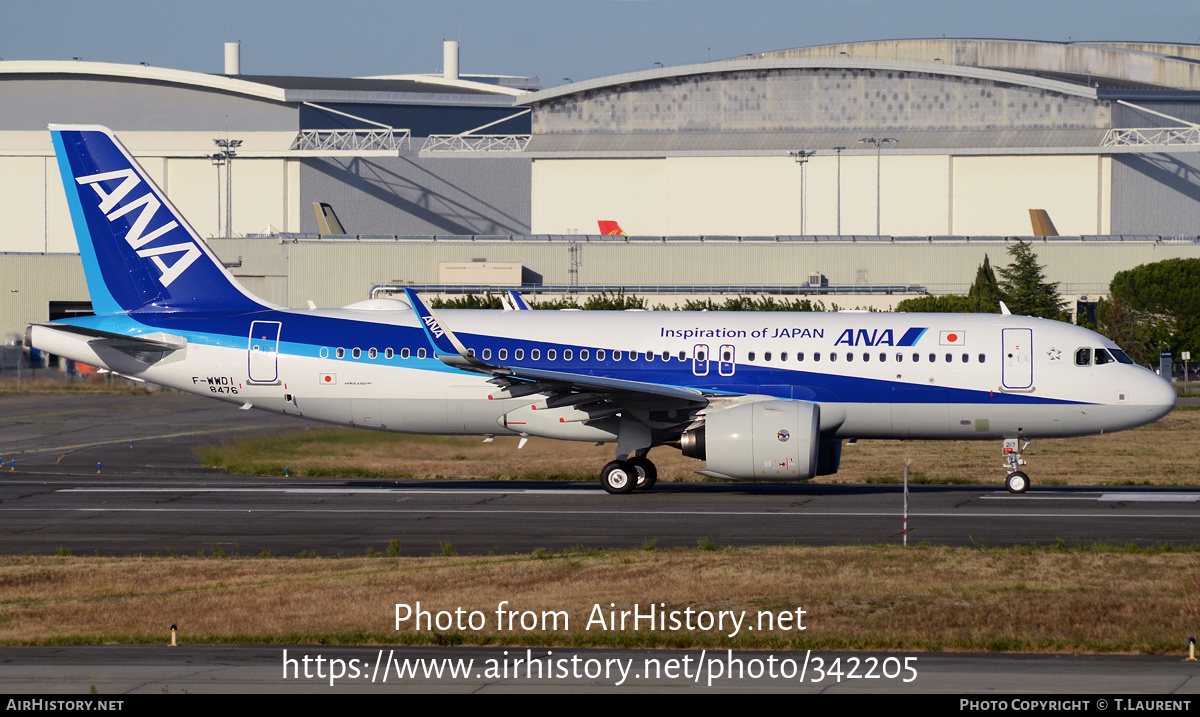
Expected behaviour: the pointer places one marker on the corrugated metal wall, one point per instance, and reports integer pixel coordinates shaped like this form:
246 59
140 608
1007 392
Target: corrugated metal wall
414 196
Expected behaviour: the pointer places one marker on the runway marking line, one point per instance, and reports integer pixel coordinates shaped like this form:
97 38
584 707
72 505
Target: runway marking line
530 511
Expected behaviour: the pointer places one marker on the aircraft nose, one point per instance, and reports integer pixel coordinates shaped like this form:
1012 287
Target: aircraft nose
1160 396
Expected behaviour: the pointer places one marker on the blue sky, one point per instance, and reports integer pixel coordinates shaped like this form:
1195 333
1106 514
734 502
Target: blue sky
575 39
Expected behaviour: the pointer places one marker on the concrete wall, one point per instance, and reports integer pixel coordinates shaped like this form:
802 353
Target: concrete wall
746 196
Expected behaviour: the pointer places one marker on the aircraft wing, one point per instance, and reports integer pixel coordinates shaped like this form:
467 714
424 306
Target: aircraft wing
448 349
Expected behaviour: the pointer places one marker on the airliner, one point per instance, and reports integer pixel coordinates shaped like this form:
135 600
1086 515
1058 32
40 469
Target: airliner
757 396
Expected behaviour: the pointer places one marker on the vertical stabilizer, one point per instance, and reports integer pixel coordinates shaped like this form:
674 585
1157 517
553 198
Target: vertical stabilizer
138 252
1042 226
327 220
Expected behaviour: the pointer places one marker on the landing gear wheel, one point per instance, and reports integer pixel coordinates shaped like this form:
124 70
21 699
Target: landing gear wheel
647 474
1016 482
618 477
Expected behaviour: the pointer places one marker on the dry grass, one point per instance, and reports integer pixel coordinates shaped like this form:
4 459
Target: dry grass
925 598
1164 453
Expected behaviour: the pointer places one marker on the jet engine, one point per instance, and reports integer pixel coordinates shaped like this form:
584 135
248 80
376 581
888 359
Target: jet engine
763 440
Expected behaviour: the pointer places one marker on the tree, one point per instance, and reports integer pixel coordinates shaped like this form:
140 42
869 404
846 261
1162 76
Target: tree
1025 289
986 290
1154 307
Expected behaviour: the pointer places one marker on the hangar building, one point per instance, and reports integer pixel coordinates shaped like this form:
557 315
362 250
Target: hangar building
870 170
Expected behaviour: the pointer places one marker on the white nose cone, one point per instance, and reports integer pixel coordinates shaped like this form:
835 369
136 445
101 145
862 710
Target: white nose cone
1158 396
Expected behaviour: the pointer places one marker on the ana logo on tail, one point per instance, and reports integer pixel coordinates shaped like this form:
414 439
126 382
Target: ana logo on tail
137 237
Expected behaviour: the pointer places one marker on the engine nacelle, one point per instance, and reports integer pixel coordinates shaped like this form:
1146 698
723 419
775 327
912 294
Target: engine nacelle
764 440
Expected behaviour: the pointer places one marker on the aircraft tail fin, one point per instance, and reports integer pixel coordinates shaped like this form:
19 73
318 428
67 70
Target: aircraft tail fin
327 219
1042 226
610 228
138 251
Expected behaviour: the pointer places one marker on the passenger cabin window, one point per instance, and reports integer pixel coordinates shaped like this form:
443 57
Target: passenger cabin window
535 354
519 354
799 355
502 354
357 353
882 356
816 356
916 357
767 356
487 354
583 354
616 355
388 353
599 355
966 358
949 358
727 356
341 352
981 357
633 355
471 353
833 355
568 354
849 356
750 356
700 356
899 357
932 358
866 356
683 356
666 356
420 353
404 353
1083 357
649 355
783 355
372 353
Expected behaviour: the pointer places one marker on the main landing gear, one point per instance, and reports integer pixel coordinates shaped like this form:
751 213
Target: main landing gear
637 473
1017 481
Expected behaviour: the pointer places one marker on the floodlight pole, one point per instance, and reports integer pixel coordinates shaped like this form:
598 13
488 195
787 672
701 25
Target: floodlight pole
226 154
801 158
839 151
878 142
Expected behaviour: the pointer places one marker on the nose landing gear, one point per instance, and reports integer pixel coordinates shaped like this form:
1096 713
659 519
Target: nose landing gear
1017 481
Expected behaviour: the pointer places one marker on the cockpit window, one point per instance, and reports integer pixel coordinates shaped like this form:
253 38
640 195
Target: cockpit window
1083 357
1120 356
1103 357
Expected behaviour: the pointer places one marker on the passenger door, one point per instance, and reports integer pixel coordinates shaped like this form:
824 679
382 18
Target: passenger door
263 352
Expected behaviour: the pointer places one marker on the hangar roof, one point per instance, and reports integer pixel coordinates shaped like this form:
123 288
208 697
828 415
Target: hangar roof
398 89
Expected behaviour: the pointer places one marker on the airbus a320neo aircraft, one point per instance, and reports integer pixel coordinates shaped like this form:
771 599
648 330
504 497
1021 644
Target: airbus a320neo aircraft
757 395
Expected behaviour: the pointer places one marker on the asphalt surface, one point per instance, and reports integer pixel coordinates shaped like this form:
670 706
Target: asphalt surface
155 498
199 669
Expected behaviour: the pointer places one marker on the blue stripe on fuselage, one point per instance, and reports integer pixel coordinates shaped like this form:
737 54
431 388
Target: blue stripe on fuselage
306 334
